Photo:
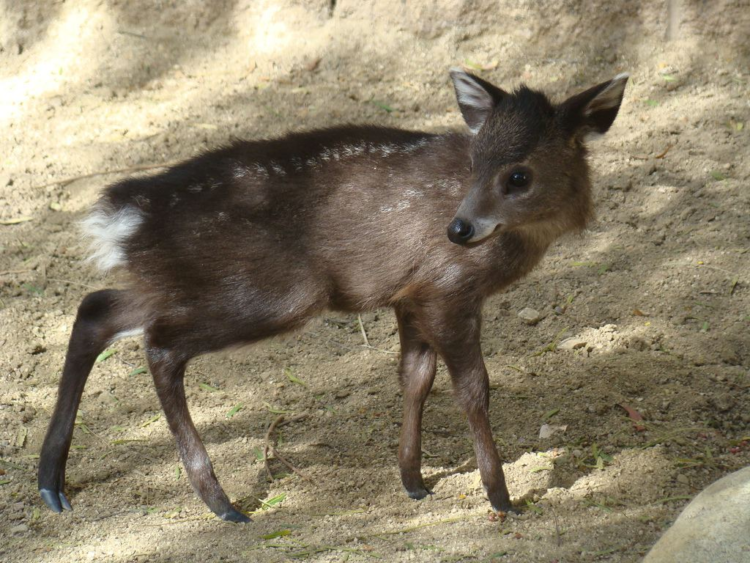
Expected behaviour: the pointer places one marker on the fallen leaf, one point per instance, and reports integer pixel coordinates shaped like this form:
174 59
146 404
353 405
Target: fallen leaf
635 416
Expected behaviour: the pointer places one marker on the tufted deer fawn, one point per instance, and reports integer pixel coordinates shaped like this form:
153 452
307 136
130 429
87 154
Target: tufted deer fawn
252 240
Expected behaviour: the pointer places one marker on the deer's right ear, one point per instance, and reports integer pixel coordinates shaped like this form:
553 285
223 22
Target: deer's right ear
476 97
591 113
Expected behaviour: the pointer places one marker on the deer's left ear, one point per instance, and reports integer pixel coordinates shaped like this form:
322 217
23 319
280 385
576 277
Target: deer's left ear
476 97
593 111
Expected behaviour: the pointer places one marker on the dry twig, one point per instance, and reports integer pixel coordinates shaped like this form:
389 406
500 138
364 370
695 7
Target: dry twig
66 181
269 447
362 330
664 153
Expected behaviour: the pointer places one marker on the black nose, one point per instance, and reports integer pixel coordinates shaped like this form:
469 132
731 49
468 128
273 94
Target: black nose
460 232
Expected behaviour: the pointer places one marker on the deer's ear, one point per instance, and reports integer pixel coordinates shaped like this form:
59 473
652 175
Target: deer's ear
592 112
476 97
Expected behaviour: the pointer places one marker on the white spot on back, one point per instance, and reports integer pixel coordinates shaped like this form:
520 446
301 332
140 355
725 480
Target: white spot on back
278 169
385 150
109 230
328 154
239 172
261 170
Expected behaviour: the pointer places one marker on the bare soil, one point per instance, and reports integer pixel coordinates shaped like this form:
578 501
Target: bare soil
656 294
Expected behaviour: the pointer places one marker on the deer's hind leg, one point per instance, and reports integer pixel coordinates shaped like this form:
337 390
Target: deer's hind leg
103 317
167 361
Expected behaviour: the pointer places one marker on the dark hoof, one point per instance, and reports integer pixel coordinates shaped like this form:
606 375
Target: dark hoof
419 494
56 501
234 516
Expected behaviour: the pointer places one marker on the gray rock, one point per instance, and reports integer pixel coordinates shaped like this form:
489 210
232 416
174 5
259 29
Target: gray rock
572 343
530 316
19 529
713 528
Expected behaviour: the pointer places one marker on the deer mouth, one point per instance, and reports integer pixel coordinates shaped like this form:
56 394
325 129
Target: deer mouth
499 228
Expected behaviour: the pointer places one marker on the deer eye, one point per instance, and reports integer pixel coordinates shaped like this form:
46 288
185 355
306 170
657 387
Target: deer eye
517 181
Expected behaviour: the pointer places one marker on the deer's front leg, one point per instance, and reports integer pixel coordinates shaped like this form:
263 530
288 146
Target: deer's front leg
417 372
456 337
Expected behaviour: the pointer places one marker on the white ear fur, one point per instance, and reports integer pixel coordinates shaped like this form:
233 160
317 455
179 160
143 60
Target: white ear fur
469 92
475 102
610 97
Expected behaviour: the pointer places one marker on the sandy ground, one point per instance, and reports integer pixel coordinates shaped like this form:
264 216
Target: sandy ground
656 294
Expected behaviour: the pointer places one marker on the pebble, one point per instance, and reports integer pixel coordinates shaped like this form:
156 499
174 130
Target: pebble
572 343
723 402
530 316
21 528
637 343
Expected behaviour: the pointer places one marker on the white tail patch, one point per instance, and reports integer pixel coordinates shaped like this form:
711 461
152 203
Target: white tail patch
109 229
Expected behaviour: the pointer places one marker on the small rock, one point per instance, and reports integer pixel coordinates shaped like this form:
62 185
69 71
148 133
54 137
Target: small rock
530 316
312 65
683 479
572 343
21 528
547 431
724 402
637 343
729 354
